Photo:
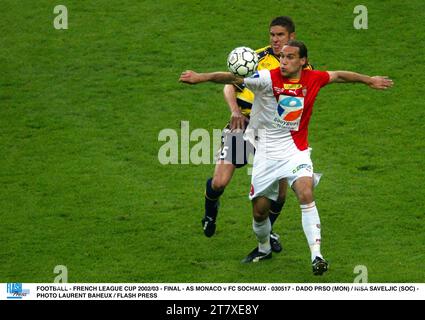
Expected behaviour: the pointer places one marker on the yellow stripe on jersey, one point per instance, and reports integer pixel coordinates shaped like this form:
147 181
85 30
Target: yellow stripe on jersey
245 98
267 59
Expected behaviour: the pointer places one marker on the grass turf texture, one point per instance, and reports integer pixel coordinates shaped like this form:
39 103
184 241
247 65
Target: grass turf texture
80 114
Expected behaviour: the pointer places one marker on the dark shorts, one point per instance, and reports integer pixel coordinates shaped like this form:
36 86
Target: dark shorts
234 148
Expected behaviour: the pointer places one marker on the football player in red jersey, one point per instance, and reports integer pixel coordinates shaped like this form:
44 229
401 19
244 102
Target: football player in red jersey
278 128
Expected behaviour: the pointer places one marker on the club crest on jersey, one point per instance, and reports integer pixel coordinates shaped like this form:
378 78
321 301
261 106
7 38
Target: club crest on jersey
288 112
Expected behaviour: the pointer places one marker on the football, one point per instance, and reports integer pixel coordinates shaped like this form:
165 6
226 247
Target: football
242 61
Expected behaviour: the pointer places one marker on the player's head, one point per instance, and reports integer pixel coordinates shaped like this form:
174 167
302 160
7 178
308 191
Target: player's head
281 30
293 57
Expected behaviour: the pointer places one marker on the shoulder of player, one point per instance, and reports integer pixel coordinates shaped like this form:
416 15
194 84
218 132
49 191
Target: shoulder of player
259 76
264 52
261 73
315 74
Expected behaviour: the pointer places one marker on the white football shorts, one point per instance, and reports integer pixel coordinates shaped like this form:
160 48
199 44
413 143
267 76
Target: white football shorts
266 173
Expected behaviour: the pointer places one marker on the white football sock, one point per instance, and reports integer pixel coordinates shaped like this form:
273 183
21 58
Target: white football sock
262 232
311 226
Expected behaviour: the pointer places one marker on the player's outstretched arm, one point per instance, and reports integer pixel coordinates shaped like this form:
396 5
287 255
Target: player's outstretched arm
376 82
192 77
237 119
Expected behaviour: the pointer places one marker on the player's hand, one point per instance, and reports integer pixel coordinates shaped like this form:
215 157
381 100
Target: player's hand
381 82
190 77
237 121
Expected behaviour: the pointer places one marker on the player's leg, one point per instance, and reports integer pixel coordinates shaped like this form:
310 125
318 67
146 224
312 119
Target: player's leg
264 187
261 223
230 156
275 210
303 187
262 228
276 206
214 189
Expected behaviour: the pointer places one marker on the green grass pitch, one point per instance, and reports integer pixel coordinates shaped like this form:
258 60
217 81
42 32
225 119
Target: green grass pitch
80 114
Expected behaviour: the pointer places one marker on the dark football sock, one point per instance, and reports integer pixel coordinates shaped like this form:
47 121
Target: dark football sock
275 209
211 200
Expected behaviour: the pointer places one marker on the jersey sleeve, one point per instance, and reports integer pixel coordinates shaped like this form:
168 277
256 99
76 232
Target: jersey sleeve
259 81
322 77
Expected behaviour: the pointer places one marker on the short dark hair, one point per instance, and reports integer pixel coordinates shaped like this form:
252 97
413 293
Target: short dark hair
285 22
300 45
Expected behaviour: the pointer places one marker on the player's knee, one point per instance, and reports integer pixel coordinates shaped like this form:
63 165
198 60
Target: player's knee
305 196
260 212
259 215
219 183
